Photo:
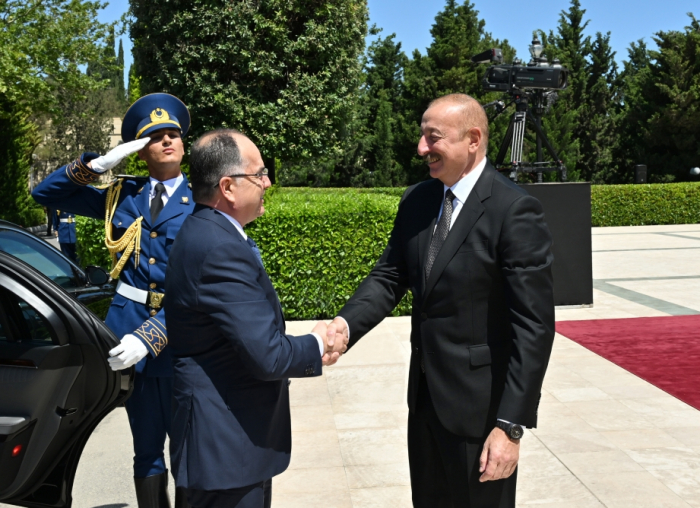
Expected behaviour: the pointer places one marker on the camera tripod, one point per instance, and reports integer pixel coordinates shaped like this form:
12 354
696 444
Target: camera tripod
514 138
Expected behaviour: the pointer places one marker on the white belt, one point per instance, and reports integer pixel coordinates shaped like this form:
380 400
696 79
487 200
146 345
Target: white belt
132 293
69 220
150 298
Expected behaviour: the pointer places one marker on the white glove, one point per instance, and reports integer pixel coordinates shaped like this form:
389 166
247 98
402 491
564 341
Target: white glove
115 156
128 353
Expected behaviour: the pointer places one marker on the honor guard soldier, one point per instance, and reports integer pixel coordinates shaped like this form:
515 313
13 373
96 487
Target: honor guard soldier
142 216
64 226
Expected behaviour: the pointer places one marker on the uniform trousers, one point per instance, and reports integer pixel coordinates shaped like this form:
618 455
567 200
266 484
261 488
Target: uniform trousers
148 409
258 495
445 467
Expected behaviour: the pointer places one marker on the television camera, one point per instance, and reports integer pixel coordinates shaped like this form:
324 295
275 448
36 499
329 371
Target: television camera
532 88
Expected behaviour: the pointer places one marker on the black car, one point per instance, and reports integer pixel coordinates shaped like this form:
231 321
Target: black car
55 382
90 286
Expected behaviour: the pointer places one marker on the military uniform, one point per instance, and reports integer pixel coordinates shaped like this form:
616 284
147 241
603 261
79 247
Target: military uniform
140 251
64 225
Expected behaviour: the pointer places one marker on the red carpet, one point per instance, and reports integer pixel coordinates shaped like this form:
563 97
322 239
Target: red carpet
665 351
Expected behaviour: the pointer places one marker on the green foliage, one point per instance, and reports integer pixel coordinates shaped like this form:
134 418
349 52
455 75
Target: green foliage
641 205
18 137
100 307
661 111
318 245
80 124
284 72
90 236
42 45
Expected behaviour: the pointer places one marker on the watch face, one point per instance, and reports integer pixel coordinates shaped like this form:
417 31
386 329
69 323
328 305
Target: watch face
516 432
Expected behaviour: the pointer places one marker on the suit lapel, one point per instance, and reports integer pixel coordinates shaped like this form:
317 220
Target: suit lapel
176 205
470 213
432 209
143 203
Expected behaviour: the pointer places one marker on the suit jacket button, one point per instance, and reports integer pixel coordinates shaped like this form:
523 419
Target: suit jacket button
153 312
152 261
152 285
154 234
423 316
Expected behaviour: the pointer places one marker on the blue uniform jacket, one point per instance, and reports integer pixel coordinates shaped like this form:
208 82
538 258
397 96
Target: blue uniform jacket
65 230
231 425
66 189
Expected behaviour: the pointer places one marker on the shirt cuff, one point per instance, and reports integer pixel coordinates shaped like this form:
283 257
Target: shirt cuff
320 342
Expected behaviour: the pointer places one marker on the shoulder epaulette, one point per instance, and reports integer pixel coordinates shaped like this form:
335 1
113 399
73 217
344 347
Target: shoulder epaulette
135 178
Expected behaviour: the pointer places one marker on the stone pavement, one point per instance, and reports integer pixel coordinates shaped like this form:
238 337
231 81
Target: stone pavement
605 438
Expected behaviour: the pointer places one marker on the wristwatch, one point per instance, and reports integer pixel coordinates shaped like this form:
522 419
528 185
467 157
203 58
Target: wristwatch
512 430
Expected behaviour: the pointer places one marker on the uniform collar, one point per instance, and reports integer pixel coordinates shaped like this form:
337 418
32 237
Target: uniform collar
171 185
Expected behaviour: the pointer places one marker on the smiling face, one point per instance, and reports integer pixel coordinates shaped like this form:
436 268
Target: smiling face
163 153
448 146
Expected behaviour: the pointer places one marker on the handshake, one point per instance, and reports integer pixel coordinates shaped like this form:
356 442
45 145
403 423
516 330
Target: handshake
335 338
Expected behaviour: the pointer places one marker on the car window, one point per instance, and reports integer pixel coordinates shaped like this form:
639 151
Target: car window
21 323
38 254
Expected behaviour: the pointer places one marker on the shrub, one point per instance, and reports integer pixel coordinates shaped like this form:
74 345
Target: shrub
319 244
641 205
90 239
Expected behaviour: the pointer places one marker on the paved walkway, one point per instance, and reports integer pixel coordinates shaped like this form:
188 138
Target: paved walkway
605 438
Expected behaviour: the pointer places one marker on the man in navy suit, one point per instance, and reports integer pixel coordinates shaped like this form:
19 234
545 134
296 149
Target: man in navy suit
231 428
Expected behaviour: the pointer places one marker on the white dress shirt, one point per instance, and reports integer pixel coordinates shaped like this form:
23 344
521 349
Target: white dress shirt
461 190
239 228
170 188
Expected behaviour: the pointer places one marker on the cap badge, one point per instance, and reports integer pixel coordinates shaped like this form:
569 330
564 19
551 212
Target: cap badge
159 115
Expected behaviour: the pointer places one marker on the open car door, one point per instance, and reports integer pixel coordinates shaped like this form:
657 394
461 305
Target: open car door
55 385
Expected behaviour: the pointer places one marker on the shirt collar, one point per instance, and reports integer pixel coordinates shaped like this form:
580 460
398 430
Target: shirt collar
236 224
464 185
170 185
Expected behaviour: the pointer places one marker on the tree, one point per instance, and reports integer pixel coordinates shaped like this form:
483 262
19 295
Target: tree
18 137
285 72
458 34
661 111
43 43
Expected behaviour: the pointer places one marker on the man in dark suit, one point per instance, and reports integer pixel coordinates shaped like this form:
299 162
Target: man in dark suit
474 250
231 428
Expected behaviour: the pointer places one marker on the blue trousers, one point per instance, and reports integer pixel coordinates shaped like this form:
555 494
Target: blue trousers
148 409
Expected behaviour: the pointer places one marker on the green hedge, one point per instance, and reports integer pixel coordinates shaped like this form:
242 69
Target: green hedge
643 205
318 244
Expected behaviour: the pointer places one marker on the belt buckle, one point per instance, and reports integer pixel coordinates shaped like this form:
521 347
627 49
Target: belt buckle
155 300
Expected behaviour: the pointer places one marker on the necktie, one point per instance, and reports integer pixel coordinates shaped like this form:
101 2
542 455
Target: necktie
254 246
441 231
157 202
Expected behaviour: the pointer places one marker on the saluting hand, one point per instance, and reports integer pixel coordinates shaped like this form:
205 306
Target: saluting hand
115 155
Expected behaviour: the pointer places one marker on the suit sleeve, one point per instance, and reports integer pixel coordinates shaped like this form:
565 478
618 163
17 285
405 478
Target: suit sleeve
382 289
229 292
526 265
67 189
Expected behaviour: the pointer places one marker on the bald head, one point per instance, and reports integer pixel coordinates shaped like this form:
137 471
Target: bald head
471 114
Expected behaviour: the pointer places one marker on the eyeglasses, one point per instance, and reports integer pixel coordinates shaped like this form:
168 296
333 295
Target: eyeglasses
259 174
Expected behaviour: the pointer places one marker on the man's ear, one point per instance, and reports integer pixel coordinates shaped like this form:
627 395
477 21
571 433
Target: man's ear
142 154
226 187
475 138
